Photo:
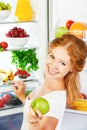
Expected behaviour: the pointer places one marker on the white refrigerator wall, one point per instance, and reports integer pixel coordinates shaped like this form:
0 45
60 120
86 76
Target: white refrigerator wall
61 11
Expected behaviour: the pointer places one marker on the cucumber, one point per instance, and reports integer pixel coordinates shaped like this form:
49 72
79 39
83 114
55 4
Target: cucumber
27 92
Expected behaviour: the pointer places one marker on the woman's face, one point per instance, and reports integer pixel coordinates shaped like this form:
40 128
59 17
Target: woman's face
57 63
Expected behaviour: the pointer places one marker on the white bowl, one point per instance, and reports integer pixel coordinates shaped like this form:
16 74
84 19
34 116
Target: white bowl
18 42
4 14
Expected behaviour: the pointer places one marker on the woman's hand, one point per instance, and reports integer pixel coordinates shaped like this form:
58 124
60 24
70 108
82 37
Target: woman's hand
19 89
34 117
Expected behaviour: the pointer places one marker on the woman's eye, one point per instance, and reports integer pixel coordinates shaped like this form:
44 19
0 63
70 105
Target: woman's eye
52 56
63 63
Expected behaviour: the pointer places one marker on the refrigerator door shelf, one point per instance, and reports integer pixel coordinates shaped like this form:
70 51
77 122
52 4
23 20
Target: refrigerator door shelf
74 120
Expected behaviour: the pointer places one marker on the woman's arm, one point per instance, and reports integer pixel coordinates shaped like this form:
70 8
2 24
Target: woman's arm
39 122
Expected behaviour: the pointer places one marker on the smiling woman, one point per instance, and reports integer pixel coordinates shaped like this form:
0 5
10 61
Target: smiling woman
65 60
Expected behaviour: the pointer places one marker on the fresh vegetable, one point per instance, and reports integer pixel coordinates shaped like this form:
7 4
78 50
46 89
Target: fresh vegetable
4 44
1 103
25 59
6 98
1 48
27 92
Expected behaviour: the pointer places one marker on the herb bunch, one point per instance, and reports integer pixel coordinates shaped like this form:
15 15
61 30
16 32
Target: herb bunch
25 59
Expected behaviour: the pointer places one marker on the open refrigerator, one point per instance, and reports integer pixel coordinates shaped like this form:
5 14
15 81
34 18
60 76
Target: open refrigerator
49 14
38 30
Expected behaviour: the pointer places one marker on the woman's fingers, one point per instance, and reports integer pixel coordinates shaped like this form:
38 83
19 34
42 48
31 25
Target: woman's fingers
34 116
38 113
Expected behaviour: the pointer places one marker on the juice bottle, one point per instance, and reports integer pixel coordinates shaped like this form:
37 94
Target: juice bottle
24 10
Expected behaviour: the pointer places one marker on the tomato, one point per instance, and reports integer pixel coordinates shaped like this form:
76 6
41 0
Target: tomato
1 103
4 44
69 23
6 98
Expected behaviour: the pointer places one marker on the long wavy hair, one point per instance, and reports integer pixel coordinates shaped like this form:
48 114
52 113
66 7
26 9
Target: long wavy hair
77 51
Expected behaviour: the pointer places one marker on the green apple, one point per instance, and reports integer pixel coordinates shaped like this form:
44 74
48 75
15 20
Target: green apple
41 104
60 31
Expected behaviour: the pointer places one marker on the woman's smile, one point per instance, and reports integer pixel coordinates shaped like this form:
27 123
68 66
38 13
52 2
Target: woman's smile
52 71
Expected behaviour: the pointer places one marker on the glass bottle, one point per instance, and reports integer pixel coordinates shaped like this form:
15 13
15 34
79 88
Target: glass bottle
24 10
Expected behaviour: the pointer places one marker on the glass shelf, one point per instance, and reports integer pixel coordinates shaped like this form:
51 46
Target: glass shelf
68 110
11 22
11 111
21 48
30 84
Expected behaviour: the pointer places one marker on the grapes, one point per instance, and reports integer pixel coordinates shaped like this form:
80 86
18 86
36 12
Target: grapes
4 6
17 32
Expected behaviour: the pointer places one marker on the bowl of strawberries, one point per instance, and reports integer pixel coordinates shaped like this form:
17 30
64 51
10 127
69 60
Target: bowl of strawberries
17 37
22 73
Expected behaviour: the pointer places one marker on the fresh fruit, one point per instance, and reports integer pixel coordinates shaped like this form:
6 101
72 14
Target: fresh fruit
1 103
78 29
5 6
4 44
22 73
60 31
69 23
4 77
6 74
6 98
41 104
83 96
11 77
80 104
17 32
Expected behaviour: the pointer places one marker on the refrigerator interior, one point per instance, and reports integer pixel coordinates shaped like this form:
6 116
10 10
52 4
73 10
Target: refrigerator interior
38 39
38 30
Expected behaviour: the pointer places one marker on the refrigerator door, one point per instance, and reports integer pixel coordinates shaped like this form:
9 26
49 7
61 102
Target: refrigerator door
60 11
